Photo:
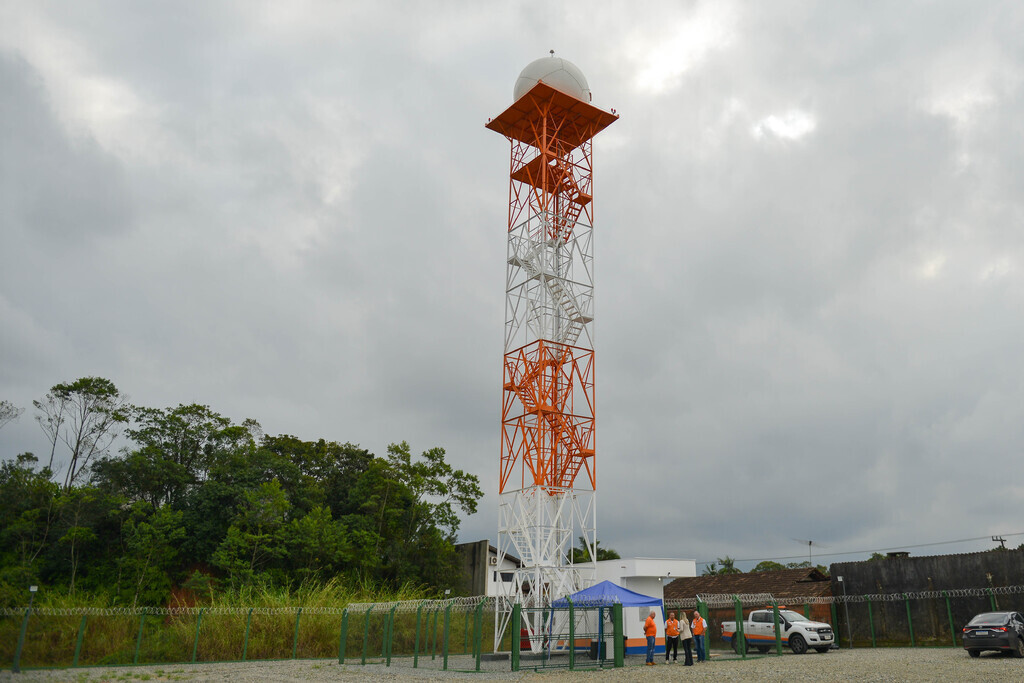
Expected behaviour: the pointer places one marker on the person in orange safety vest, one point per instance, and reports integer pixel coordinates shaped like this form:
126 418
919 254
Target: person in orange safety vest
672 636
650 630
699 626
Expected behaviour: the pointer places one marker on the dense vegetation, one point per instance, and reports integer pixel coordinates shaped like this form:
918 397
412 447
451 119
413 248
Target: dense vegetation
197 501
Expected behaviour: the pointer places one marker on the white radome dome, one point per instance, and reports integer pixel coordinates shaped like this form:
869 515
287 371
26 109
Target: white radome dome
560 74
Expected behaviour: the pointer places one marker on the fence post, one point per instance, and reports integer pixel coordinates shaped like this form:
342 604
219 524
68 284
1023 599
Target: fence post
366 633
778 630
195 641
16 664
910 622
433 652
295 638
871 623
391 634
992 599
572 634
78 642
138 640
740 645
478 632
835 624
416 648
618 636
807 610
343 639
949 612
447 625
245 641
517 625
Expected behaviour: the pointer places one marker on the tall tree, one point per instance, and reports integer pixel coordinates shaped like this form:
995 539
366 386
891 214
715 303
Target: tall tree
85 416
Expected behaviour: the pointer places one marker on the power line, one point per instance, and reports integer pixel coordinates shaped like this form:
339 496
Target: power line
872 550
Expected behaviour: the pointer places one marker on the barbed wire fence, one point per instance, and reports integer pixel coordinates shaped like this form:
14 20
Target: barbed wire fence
441 634
929 617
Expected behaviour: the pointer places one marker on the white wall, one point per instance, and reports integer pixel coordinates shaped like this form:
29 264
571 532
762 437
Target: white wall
494 573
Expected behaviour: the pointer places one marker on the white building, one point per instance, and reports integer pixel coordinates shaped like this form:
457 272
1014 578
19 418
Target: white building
646 575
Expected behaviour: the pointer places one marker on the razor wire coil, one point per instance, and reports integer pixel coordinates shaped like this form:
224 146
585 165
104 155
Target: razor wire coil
719 600
468 604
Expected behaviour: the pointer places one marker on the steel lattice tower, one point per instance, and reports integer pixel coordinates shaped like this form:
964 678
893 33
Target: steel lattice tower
548 476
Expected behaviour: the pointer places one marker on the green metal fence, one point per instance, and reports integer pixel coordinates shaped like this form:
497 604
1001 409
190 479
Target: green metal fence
916 619
572 636
431 634
451 634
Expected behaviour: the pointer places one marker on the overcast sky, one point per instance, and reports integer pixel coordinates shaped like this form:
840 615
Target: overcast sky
809 245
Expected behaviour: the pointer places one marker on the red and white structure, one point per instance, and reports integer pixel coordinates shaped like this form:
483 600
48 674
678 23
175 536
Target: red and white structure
548 474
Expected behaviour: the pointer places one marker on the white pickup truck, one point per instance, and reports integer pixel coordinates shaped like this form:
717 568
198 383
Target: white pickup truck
795 630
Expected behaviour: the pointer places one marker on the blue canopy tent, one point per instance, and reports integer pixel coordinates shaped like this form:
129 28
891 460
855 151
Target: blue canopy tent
606 594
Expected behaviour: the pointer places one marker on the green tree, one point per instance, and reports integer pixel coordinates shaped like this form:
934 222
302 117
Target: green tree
76 509
85 416
151 538
176 449
581 554
727 565
256 536
723 565
28 511
318 544
768 566
438 490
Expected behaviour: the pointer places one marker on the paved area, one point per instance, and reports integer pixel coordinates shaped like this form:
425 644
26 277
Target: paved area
895 664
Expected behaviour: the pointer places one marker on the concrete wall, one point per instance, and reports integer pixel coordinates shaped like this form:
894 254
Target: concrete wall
929 617
474 567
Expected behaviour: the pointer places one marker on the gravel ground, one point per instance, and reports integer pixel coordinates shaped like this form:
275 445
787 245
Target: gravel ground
918 664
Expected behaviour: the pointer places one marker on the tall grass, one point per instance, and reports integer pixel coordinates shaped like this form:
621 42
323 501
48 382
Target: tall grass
112 639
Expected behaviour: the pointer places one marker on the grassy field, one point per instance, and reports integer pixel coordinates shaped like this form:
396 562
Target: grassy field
252 623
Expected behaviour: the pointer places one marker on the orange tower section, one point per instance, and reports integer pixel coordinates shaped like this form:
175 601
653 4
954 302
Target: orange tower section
547 471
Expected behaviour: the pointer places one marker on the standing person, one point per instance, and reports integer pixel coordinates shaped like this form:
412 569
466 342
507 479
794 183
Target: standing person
672 637
687 638
699 627
650 630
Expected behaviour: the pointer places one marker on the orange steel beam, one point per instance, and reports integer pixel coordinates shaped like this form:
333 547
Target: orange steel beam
546 431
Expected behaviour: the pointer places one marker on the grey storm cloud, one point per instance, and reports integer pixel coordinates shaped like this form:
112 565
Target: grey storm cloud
809 259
